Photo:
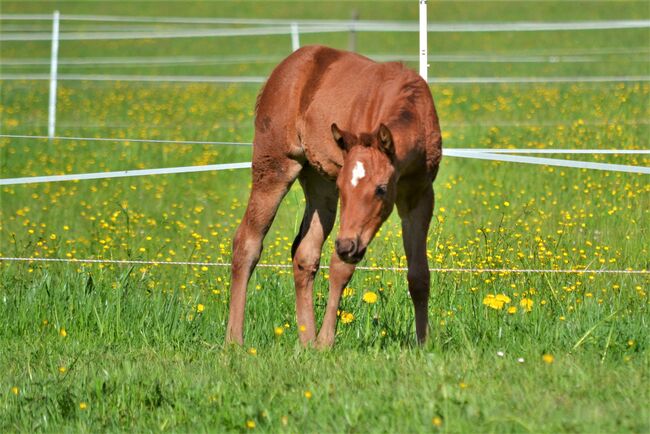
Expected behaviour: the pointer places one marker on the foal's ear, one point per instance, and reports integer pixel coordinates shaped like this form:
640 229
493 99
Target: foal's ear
343 139
386 140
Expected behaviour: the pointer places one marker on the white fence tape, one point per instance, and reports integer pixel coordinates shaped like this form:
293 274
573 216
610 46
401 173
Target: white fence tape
170 34
533 80
244 165
260 79
548 161
124 173
108 139
500 154
527 123
315 26
565 25
329 28
149 60
534 56
513 58
98 62
364 268
248 144
552 151
510 26
142 78
449 125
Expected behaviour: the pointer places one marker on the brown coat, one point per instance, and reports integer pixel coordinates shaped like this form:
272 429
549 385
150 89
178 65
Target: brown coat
353 131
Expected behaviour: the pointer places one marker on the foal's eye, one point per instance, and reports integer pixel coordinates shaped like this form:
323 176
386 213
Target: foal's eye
381 190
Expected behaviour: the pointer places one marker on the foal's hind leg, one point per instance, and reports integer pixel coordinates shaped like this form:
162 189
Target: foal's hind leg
320 213
416 216
270 185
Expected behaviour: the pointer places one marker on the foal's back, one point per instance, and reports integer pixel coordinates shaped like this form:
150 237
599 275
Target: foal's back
317 86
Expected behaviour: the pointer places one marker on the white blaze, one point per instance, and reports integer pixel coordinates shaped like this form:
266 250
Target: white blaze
357 173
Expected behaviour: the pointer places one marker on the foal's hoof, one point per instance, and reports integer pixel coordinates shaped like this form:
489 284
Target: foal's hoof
232 341
323 344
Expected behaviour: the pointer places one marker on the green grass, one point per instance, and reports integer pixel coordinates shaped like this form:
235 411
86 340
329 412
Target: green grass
142 348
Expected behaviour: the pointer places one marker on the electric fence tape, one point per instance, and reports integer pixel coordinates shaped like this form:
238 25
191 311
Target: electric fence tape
478 153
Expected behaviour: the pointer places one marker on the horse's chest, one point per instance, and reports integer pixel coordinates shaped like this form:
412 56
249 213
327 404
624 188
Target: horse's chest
323 156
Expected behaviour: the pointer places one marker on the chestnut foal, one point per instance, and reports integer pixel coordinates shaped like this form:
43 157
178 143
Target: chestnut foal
346 127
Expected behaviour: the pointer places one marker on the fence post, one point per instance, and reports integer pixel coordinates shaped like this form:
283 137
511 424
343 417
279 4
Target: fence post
51 120
352 40
295 37
424 61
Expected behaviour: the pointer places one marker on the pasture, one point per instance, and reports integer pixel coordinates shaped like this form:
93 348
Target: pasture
110 347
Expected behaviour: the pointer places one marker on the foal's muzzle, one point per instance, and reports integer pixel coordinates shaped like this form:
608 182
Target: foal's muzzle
348 250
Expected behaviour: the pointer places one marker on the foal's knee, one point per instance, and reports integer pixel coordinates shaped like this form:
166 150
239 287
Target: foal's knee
306 260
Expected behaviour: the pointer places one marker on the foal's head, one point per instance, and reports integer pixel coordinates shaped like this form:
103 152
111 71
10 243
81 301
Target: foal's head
367 186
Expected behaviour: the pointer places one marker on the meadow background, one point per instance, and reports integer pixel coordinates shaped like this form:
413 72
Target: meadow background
139 348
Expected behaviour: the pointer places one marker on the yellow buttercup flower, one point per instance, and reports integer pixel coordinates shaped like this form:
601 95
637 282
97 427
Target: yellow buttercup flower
200 308
250 424
502 297
347 317
548 358
527 304
370 297
496 301
278 331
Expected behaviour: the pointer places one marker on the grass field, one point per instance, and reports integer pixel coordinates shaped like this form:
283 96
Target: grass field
100 347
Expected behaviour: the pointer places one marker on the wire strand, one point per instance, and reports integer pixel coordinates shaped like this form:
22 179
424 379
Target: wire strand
364 268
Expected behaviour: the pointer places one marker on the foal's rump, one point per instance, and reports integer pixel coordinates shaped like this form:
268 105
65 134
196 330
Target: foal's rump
281 122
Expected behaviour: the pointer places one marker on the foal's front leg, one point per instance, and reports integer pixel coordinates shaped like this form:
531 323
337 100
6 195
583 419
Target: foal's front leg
340 274
320 213
306 261
416 216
